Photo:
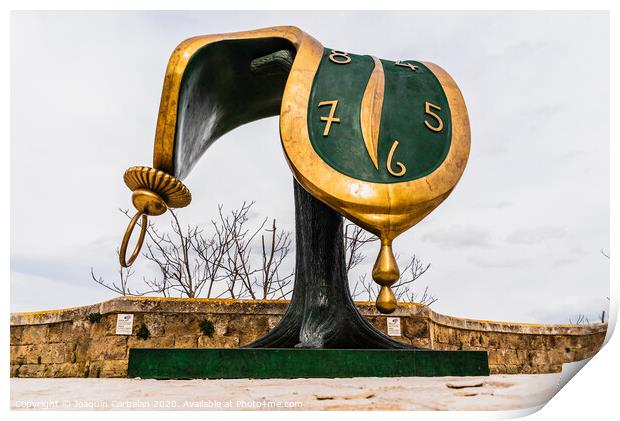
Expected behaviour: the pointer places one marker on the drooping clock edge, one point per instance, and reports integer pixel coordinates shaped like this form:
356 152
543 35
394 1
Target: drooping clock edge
168 129
383 209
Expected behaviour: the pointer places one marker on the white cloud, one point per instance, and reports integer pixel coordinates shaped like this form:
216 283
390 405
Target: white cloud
459 237
536 235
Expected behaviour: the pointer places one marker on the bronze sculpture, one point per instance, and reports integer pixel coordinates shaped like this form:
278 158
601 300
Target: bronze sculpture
380 142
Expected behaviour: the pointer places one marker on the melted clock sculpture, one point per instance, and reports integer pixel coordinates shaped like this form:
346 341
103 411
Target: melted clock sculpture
381 142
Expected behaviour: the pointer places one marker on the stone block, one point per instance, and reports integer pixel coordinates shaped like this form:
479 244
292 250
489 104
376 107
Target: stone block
537 342
512 341
503 356
187 323
16 335
220 324
497 368
583 353
187 341
55 332
218 342
57 353
27 354
446 347
32 370
538 358
379 322
63 370
76 331
80 350
34 335
415 327
159 342
492 340
512 369
555 368
15 370
104 327
248 328
108 348
421 343
93 369
272 321
114 368
156 324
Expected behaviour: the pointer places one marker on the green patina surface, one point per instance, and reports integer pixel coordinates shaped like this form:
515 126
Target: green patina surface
406 92
167 363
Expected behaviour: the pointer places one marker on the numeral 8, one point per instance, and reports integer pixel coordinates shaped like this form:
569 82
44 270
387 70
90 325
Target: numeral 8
342 54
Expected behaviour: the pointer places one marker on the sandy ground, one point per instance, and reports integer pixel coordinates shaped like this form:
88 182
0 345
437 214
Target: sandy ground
497 392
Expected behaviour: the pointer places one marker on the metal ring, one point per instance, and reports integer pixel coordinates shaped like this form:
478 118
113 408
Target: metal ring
130 227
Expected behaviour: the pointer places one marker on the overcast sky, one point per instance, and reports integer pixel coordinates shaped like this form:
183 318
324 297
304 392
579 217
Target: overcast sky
519 239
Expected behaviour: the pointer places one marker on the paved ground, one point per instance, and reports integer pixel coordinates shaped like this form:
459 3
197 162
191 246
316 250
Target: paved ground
497 392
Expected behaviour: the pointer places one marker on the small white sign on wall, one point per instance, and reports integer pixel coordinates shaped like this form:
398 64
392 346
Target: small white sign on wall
124 324
393 326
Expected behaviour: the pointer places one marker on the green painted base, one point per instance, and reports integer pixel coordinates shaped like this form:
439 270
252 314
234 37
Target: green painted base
265 363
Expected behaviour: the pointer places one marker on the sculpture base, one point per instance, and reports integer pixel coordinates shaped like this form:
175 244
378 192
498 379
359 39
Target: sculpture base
286 363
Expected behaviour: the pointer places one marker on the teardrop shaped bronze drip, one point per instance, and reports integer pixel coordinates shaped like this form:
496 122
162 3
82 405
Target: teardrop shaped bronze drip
386 300
386 273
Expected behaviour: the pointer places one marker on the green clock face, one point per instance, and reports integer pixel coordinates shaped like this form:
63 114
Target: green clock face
377 120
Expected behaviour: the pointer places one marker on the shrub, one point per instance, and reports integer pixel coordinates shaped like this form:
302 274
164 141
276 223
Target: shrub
206 326
94 317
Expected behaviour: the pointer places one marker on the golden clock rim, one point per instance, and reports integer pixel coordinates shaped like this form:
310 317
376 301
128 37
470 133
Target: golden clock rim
386 209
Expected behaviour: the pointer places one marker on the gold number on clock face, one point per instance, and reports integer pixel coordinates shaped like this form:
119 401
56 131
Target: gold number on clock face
330 118
339 57
404 127
411 66
388 164
395 168
427 110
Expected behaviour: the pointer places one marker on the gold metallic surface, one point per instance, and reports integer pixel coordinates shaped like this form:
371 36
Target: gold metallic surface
148 202
385 272
410 65
123 251
167 118
336 53
330 118
387 209
168 187
388 164
386 300
370 111
427 110
154 192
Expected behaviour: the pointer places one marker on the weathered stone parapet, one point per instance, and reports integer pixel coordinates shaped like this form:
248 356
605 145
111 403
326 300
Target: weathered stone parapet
64 343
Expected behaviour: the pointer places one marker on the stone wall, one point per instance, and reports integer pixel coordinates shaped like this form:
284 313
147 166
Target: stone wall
65 343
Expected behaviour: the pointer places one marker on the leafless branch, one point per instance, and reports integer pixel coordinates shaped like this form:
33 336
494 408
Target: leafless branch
192 263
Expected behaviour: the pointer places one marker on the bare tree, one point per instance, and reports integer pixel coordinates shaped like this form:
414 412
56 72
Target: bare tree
355 238
191 263
273 255
122 287
579 319
226 262
403 289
